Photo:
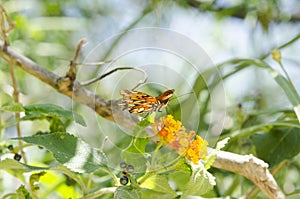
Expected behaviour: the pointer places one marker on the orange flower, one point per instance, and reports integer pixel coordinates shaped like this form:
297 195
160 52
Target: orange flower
186 144
167 128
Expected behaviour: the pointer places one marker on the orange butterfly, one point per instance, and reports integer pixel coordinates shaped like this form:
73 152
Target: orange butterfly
139 102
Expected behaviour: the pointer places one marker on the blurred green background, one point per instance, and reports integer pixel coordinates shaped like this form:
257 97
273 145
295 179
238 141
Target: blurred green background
193 39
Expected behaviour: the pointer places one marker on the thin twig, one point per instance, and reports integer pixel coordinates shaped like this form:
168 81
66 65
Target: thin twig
115 70
5 19
72 71
286 44
16 99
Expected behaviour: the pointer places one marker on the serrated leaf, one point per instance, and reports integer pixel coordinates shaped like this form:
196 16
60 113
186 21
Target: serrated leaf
210 160
213 153
70 151
126 192
221 144
13 107
201 181
277 145
42 111
158 183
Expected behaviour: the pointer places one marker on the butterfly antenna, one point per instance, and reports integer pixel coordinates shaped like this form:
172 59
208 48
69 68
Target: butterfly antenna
111 72
141 82
182 95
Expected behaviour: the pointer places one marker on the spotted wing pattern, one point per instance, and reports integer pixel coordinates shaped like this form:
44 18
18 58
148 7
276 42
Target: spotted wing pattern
139 102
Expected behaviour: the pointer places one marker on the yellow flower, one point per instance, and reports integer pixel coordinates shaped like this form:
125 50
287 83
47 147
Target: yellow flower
186 144
167 128
197 150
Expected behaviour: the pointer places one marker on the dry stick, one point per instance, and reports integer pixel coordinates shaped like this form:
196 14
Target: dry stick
252 168
16 99
72 71
4 19
253 192
247 165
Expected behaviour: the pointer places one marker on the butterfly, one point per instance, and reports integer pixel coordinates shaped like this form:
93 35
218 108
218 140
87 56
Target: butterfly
139 102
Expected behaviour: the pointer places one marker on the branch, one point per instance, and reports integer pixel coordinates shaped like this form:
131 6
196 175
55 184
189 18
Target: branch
108 109
252 168
247 165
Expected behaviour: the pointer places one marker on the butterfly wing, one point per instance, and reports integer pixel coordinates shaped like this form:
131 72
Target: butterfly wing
137 102
163 99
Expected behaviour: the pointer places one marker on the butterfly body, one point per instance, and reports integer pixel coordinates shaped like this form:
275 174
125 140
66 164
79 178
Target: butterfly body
139 102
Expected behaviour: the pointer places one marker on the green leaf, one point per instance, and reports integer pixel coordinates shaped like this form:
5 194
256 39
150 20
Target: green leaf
213 152
287 87
23 193
16 165
46 111
5 98
69 173
70 151
135 155
139 129
149 193
221 144
201 181
13 107
277 145
127 192
159 183
15 168
289 90
34 180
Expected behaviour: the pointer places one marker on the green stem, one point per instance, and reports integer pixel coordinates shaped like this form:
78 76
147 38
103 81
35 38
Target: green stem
285 72
89 183
283 45
9 195
251 130
159 145
112 175
155 172
100 192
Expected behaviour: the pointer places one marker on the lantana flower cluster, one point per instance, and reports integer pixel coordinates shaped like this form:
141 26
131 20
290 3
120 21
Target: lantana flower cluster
173 133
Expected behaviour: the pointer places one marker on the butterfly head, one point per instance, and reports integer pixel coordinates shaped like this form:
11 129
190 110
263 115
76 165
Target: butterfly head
164 97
